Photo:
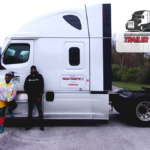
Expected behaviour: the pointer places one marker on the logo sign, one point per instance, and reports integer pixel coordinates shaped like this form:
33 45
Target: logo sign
15 79
76 81
136 33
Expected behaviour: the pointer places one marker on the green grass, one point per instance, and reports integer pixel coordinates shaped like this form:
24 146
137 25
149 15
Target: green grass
130 85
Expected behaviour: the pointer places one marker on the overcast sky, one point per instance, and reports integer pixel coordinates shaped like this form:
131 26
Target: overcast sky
14 13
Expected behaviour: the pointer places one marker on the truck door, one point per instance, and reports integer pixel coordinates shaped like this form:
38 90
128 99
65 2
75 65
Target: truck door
64 65
17 58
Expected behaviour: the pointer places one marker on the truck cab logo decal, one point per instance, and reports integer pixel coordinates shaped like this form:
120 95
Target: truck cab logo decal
15 79
72 78
77 81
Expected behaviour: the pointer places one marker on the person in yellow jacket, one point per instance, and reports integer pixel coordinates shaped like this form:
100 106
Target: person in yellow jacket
7 94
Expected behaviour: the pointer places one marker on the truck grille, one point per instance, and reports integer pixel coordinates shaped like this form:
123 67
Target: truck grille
130 24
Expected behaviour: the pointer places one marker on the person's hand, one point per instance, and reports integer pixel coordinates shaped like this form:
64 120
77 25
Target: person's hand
3 99
39 100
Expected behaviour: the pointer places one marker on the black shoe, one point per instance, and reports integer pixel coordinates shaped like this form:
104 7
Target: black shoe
42 128
28 128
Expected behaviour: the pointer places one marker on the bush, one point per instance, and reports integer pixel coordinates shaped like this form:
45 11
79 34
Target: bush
136 74
116 72
144 74
130 74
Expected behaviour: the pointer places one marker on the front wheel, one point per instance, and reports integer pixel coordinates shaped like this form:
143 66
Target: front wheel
141 28
143 111
140 111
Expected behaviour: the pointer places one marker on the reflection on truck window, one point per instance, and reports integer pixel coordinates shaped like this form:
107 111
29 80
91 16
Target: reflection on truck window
74 56
16 53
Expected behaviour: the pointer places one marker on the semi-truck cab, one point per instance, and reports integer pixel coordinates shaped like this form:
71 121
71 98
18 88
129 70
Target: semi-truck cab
140 20
72 50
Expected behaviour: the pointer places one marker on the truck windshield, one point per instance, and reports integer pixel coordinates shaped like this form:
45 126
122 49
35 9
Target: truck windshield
137 16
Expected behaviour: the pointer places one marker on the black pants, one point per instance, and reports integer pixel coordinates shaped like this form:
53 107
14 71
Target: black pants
11 106
31 101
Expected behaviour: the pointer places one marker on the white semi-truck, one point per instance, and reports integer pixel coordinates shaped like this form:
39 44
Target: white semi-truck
72 50
140 21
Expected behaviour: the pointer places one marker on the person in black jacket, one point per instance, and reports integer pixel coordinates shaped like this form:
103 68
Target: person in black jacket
34 86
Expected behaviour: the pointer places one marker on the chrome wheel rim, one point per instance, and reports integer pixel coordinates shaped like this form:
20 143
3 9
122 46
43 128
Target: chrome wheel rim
143 111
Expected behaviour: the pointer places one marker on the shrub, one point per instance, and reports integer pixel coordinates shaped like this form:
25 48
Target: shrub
130 74
144 74
116 72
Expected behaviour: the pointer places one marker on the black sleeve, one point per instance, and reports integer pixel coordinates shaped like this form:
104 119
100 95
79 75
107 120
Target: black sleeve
41 85
26 85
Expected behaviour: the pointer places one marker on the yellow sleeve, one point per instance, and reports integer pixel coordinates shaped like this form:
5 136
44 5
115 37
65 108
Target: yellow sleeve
2 104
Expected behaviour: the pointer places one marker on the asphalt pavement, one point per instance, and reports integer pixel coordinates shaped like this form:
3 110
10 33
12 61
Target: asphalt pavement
118 134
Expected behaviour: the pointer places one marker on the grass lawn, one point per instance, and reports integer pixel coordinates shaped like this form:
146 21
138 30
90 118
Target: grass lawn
130 85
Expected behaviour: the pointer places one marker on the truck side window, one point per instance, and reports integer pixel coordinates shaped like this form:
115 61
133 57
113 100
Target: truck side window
16 54
74 56
73 21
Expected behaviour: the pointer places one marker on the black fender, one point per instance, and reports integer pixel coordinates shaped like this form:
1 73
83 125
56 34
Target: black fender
120 100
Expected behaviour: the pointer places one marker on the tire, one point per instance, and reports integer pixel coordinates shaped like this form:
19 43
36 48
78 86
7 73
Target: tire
140 110
141 28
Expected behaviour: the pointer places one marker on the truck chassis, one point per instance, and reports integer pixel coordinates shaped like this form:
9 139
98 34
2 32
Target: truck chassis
135 105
